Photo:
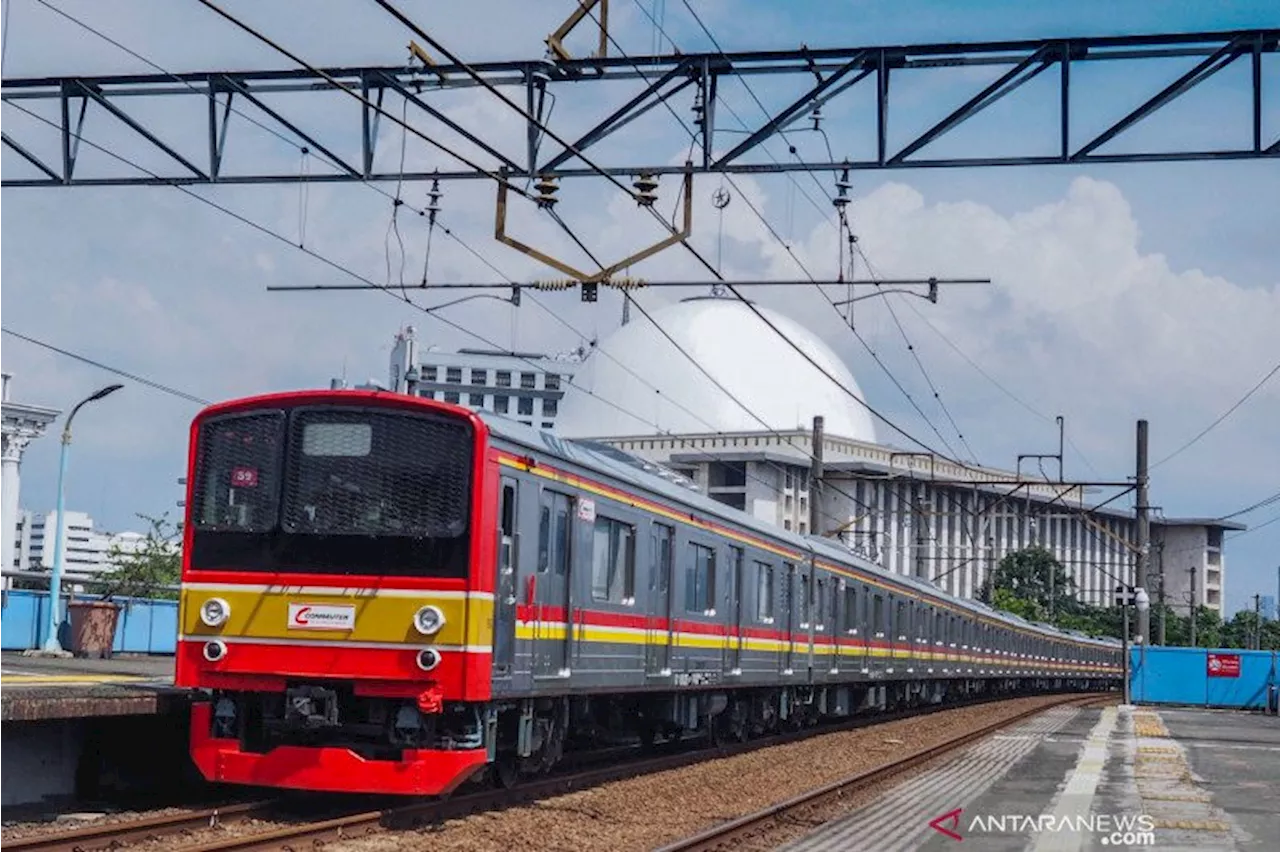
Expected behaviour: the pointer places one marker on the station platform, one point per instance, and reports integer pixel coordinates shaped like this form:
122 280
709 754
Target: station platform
75 728
1085 780
44 688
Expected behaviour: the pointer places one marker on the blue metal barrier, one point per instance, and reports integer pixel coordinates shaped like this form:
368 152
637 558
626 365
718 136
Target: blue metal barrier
1205 677
144 626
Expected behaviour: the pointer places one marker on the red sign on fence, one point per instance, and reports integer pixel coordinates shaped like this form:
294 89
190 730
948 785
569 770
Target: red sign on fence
1224 665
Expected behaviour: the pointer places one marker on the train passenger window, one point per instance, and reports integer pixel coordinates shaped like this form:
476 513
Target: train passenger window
700 579
820 603
613 561
660 561
804 599
553 533
732 591
850 621
877 614
834 610
901 620
764 593
508 510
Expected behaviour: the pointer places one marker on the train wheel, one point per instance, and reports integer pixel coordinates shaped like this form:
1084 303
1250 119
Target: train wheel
505 773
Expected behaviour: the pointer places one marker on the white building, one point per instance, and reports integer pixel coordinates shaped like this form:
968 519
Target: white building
941 522
86 553
524 386
22 424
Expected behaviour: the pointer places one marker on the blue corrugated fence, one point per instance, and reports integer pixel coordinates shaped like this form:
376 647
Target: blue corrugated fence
1205 677
144 626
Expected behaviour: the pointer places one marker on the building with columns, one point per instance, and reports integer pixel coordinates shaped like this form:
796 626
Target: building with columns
739 425
23 423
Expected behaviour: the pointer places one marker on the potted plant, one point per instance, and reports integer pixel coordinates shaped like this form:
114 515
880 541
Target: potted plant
143 570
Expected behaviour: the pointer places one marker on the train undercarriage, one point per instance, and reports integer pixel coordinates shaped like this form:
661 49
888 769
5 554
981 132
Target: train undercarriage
504 741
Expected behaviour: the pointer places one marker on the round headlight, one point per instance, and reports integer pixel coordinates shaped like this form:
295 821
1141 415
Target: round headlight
428 659
215 612
428 620
215 650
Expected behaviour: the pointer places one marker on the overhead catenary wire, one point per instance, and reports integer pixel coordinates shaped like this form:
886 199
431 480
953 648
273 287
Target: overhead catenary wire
351 273
999 386
817 207
719 277
93 362
1206 430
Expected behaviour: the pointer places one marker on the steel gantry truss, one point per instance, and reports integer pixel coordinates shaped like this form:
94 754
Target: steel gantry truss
196 154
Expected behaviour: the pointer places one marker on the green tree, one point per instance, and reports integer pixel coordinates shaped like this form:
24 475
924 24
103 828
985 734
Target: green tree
1034 575
156 562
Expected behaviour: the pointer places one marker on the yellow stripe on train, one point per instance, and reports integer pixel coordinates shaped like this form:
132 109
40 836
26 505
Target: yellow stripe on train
328 614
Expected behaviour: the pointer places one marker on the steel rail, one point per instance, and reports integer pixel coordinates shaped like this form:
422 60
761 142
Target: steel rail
348 827
719 836
114 834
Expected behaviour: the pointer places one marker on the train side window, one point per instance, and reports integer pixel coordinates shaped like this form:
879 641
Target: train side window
820 602
700 580
661 557
850 609
804 599
901 621
508 510
877 615
554 532
834 606
764 593
613 561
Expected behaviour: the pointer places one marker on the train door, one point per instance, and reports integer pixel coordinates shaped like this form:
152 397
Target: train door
658 615
733 610
504 598
788 612
552 585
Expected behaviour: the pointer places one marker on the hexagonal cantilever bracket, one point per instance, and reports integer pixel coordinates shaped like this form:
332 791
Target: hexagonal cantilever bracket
555 41
500 234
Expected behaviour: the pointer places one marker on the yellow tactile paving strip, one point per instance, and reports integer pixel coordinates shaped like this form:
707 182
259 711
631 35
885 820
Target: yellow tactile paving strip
71 679
1181 811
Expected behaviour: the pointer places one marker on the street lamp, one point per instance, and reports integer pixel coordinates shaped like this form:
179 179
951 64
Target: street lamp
51 643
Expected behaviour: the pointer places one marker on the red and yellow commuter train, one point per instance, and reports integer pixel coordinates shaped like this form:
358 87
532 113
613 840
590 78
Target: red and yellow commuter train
388 594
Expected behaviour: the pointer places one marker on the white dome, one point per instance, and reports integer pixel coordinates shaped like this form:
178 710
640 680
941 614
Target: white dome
763 371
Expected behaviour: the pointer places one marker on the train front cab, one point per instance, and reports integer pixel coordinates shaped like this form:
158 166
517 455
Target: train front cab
329 603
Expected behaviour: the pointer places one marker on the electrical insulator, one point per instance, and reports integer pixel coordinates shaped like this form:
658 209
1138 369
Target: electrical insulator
816 115
433 207
645 185
842 191
547 188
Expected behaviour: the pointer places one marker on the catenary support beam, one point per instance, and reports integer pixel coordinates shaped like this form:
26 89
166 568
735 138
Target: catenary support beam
649 82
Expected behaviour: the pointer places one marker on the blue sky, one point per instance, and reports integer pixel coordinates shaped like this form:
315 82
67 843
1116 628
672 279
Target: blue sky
1120 291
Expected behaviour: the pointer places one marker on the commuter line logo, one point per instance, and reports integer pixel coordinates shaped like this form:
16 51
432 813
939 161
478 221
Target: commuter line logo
321 617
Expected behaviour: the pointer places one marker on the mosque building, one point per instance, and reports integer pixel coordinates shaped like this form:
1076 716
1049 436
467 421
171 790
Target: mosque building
740 426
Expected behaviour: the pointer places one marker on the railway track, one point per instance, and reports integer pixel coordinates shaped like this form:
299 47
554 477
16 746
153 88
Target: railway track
588 770
729 834
112 834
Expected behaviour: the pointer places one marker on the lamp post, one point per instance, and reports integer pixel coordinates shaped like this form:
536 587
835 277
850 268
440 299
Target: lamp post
51 643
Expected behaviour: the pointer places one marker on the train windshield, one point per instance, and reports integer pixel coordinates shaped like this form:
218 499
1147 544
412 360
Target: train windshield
333 490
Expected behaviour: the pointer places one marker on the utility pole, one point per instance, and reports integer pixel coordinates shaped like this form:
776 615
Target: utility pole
1144 527
1257 622
815 480
1194 607
1160 557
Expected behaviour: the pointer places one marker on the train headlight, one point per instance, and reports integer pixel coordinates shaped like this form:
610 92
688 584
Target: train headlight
428 620
215 650
215 612
428 659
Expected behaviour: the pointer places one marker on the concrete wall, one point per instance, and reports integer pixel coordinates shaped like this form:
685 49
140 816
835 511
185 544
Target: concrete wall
40 760
143 627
